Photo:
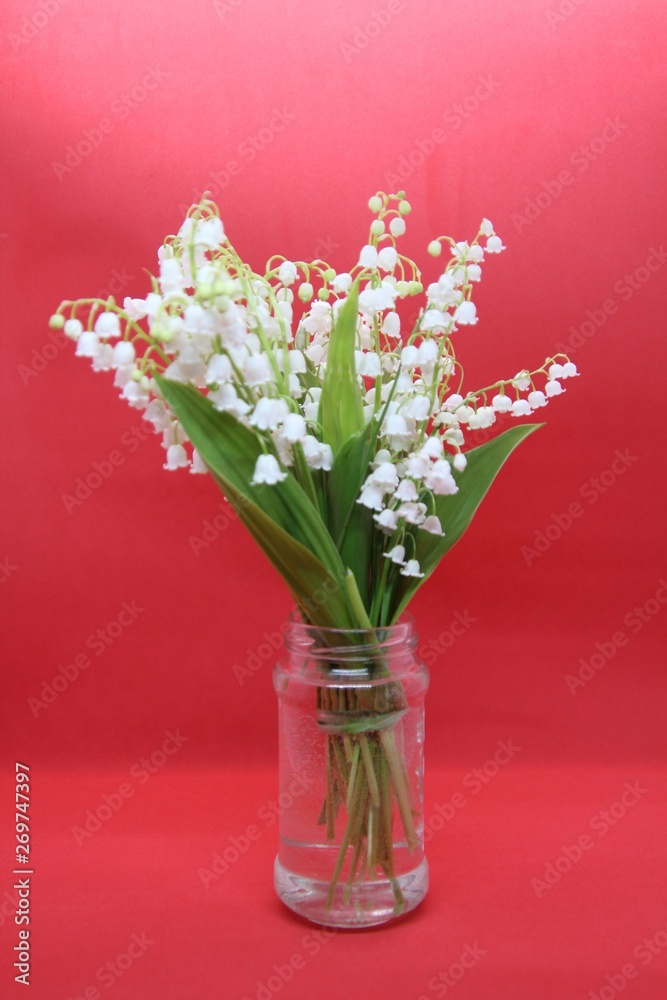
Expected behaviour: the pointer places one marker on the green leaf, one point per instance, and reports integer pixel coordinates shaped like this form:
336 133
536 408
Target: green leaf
341 411
321 598
281 518
457 511
351 524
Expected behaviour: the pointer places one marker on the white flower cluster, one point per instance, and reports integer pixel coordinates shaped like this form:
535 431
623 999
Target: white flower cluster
257 345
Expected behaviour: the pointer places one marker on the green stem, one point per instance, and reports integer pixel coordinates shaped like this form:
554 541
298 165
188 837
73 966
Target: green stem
398 781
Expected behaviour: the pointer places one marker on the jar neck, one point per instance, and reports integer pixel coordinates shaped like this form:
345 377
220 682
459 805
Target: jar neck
350 648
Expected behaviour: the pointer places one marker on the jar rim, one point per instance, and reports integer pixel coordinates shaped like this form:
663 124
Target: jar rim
327 642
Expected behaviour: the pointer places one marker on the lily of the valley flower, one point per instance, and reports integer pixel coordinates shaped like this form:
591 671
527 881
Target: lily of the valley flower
267 471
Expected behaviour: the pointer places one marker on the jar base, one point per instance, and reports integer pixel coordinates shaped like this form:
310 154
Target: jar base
369 904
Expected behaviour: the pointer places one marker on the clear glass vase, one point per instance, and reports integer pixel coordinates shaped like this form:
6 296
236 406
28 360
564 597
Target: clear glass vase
351 768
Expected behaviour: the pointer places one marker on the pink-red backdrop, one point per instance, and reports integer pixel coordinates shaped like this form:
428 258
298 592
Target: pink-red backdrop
545 626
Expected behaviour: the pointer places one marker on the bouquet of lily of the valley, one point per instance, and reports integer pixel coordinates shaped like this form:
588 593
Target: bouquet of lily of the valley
337 435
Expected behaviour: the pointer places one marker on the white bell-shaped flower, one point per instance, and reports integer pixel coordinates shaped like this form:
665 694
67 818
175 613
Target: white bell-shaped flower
267 471
318 455
107 324
387 521
466 314
407 491
410 356
391 325
521 408
294 428
87 344
177 458
219 369
156 413
103 358
413 513
494 244
412 568
432 447
435 319
257 370
342 283
417 465
297 362
136 395
418 408
536 399
387 258
432 525
440 479
396 555
385 476
287 272
73 328
269 413
553 388
372 496
198 466
123 353
226 400
368 256
502 403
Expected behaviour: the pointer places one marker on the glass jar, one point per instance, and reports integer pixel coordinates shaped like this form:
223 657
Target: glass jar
351 707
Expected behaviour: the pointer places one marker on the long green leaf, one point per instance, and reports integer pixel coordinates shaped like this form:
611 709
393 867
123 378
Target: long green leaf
281 517
322 600
457 511
351 524
341 411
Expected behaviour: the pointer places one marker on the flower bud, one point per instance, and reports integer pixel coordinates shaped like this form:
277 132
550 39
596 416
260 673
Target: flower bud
57 322
305 291
435 248
375 203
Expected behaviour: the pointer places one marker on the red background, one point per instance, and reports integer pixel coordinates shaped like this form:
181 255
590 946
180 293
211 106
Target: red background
521 94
